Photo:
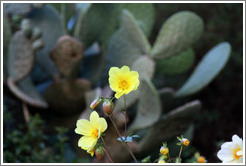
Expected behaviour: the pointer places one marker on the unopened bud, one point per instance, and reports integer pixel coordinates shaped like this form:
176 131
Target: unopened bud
201 159
95 103
99 153
108 106
164 150
185 142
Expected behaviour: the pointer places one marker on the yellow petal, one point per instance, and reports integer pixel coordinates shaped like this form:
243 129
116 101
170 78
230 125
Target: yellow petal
97 122
84 127
103 124
136 84
125 69
113 70
118 94
86 142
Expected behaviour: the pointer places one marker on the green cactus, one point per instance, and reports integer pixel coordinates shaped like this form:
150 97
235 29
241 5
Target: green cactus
178 33
211 64
176 64
170 125
97 27
7 35
149 107
50 23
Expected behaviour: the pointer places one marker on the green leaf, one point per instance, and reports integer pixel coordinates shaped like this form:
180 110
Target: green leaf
149 106
209 67
176 64
178 33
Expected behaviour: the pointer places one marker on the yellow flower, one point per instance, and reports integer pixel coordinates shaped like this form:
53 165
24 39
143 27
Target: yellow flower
91 131
123 81
185 141
164 150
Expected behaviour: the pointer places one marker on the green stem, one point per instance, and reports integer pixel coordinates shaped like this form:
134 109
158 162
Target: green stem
123 142
106 151
180 152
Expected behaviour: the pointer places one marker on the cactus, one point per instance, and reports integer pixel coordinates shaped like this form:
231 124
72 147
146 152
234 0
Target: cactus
149 107
20 62
207 69
67 55
50 23
97 26
7 35
67 97
178 33
176 64
169 126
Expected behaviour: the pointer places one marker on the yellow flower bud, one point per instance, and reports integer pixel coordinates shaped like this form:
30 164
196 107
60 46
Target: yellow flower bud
201 159
185 142
108 106
164 150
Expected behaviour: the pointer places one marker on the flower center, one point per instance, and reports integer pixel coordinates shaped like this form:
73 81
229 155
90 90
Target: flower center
94 133
123 84
235 154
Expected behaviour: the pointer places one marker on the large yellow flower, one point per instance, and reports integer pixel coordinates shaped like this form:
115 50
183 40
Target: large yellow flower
91 131
123 81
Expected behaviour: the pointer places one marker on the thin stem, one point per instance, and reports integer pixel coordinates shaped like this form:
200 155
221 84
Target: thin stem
106 151
180 152
123 142
125 113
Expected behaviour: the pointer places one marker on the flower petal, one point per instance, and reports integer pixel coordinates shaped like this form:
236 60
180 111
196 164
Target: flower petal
225 155
113 71
97 122
237 140
118 94
103 124
84 127
86 142
125 69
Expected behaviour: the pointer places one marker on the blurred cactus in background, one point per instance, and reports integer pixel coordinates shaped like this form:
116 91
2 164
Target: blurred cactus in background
59 62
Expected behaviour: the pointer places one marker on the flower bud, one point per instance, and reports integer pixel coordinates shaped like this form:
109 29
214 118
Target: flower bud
108 106
201 159
164 150
185 142
99 153
95 103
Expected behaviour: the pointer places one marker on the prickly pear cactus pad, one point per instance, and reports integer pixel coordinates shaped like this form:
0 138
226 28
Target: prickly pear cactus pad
67 56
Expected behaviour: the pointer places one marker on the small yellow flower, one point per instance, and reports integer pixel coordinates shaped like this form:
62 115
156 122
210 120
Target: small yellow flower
185 142
161 161
123 81
164 150
91 131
